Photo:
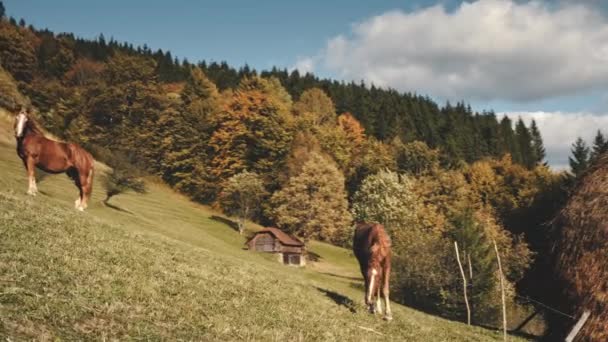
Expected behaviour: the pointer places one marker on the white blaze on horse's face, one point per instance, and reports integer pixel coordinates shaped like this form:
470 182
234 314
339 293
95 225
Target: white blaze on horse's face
21 120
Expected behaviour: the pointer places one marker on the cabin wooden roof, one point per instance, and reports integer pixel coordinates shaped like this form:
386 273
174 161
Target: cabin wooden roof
283 237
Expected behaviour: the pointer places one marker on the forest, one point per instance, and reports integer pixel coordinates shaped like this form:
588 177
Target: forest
311 156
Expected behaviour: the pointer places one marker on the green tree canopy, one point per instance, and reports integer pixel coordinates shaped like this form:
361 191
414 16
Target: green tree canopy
241 196
313 204
579 161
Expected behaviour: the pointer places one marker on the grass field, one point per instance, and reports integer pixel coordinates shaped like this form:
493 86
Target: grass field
158 267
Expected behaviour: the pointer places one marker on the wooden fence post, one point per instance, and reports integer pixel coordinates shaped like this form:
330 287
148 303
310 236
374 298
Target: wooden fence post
502 292
578 326
464 282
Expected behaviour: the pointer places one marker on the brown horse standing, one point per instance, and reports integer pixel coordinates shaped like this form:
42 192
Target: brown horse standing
372 247
53 157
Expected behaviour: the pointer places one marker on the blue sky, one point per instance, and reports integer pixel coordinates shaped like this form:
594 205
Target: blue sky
260 33
534 59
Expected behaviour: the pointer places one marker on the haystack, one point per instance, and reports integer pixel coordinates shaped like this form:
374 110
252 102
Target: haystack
582 249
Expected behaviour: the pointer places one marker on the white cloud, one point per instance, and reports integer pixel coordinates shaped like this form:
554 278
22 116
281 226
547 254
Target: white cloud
304 65
485 50
559 130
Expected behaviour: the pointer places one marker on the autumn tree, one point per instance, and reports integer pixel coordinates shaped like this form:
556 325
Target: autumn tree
252 132
313 204
372 157
343 141
314 109
241 196
303 145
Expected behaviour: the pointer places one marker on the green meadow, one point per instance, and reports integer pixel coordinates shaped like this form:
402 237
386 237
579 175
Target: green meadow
160 267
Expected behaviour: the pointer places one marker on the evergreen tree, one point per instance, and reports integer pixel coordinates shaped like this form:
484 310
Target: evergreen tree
478 254
2 10
524 142
537 144
580 157
600 145
507 143
185 135
17 53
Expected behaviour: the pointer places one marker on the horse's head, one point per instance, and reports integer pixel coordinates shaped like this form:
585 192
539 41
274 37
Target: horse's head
20 123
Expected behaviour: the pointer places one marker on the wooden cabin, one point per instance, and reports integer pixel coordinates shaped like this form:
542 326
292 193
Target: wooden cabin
290 250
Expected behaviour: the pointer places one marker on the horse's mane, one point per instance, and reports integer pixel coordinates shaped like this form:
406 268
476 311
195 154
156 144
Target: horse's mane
33 124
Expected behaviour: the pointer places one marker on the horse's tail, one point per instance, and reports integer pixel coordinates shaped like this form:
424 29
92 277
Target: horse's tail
90 177
84 163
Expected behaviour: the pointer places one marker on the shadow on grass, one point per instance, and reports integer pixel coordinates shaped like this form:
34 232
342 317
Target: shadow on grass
112 206
312 256
522 334
225 221
342 276
339 299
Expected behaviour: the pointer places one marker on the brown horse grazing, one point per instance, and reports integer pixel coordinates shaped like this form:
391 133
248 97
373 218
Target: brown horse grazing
35 150
372 247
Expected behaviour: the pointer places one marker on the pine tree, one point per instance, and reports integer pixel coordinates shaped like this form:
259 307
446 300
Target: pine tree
524 142
17 53
2 10
477 250
580 157
537 144
185 135
507 143
600 145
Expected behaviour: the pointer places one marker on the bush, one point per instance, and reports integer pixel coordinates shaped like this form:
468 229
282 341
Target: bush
123 177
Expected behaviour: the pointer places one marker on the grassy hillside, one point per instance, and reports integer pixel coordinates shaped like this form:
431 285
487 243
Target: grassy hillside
160 267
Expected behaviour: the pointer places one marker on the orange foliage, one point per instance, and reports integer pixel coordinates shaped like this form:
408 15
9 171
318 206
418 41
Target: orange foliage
352 128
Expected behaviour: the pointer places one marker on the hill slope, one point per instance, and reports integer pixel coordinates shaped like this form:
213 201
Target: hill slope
159 267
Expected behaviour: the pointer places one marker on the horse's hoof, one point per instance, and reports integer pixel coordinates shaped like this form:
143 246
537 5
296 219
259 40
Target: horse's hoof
388 318
31 193
80 209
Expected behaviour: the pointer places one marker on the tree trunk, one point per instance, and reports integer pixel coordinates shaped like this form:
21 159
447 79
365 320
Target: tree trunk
464 283
241 224
502 293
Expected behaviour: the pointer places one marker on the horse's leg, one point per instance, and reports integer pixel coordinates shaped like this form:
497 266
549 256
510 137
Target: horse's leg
378 301
86 186
75 176
30 165
388 315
